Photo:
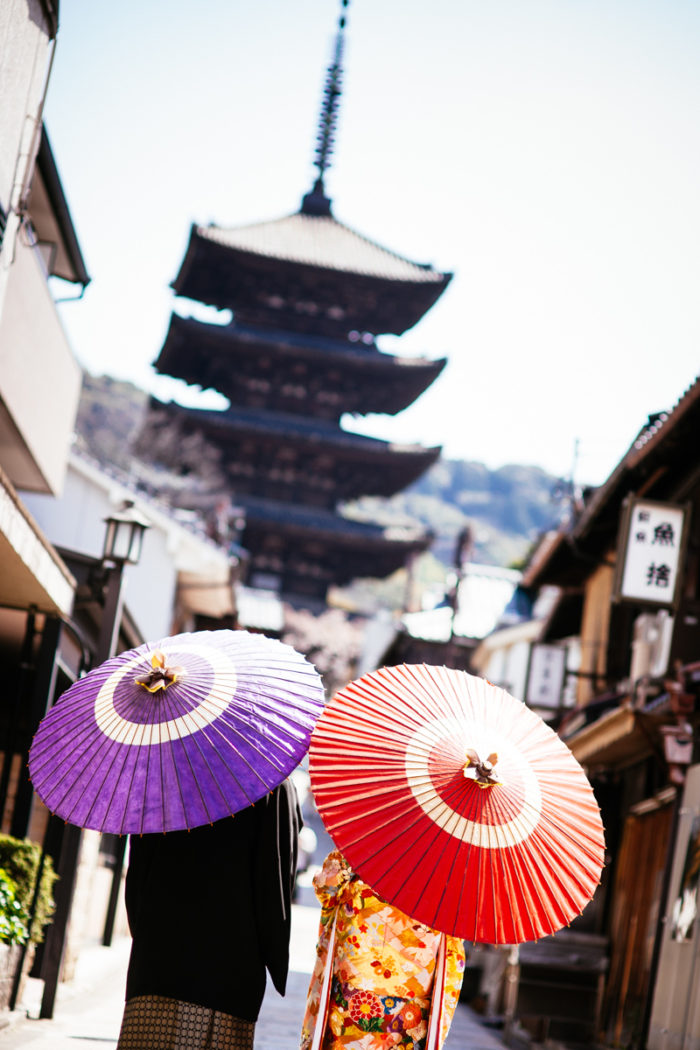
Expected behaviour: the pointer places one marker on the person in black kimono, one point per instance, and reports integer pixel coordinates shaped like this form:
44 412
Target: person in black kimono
209 912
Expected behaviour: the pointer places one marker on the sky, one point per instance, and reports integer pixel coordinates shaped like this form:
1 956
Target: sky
545 152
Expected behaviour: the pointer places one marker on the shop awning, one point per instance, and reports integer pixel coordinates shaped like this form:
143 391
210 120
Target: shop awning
618 737
33 573
207 593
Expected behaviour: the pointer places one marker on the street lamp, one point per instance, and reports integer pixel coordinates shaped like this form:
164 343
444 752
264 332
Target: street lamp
124 536
122 546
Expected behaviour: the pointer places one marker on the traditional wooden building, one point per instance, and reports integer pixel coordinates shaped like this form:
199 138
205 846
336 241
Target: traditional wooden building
308 296
627 571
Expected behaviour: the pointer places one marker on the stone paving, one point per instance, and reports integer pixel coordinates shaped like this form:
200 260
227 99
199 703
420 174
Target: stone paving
88 1011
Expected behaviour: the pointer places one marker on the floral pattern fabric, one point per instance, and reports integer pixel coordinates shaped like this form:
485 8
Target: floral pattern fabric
383 969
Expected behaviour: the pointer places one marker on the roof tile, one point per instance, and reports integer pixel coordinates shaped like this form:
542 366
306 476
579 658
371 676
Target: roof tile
320 240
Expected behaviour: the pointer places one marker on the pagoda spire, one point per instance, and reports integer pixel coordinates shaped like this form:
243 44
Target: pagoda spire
316 202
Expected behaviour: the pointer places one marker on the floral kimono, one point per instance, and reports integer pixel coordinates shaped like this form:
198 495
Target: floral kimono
380 980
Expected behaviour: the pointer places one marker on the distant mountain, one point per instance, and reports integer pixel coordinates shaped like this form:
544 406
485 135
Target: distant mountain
506 508
110 415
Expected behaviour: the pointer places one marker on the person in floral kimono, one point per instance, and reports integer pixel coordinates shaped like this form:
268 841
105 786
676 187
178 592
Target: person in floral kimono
381 979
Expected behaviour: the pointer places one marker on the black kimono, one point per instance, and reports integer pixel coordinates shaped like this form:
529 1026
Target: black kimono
210 909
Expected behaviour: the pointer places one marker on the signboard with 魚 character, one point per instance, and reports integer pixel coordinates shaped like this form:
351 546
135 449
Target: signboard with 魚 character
650 552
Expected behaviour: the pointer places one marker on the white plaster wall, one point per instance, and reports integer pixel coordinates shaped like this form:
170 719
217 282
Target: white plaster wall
495 668
76 521
40 378
25 61
573 663
151 585
25 51
506 664
516 668
507 667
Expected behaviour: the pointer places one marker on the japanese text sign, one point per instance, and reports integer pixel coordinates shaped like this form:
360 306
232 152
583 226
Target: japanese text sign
546 676
650 551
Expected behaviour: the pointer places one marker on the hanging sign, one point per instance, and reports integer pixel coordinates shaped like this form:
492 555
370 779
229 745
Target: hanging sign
649 553
545 679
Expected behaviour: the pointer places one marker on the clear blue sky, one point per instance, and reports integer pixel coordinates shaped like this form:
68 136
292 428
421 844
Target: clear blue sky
546 151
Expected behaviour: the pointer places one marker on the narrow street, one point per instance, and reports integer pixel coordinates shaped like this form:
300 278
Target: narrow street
88 1012
89 1009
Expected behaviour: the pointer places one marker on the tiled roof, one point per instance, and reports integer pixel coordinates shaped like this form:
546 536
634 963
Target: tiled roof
360 378
327 522
663 452
302 427
658 431
309 345
320 240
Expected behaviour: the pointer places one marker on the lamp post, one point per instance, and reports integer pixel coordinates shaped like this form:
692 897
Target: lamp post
123 543
122 546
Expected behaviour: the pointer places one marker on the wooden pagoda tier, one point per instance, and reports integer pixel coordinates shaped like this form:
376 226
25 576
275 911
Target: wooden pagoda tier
307 295
289 372
302 551
297 459
307 272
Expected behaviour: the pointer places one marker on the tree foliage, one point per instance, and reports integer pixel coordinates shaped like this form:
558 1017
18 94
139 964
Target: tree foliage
21 859
331 641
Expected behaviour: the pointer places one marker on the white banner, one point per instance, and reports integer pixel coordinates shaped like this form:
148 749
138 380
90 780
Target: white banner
545 679
651 553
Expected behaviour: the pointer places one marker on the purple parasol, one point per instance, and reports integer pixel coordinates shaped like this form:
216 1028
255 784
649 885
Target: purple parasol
176 734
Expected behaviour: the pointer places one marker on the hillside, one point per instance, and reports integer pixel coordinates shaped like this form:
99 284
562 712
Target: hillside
110 415
506 508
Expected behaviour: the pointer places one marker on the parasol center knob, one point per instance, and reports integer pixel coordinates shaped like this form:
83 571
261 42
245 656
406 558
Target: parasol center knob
482 772
160 676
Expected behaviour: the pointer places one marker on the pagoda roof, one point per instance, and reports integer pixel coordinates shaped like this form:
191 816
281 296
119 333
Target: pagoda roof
328 523
348 549
343 376
311 268
361 465
323 241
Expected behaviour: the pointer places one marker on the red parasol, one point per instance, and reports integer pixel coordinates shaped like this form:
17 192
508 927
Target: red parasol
457 803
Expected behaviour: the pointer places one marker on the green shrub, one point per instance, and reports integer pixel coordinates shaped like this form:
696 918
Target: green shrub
13 917
20 859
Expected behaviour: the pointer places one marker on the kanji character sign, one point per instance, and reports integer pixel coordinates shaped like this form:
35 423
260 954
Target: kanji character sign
650 551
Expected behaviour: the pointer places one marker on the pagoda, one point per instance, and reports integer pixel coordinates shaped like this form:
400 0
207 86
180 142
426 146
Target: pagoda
308 297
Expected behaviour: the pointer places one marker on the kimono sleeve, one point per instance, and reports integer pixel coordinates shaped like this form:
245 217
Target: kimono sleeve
454 974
